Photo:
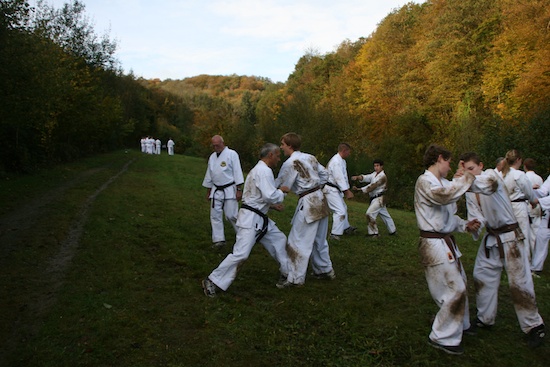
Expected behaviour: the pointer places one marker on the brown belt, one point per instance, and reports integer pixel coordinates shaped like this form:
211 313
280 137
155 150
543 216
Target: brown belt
309 191
449 240
497 232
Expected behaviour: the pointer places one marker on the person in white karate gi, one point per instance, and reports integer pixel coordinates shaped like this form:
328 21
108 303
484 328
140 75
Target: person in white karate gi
308 235
519 189
157 146
336 189
502 246
435 207
170 146
376 188
223 181
535 213
149 142
543 233
253 225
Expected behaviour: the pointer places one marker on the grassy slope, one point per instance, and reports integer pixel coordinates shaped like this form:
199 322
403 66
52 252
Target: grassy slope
132 295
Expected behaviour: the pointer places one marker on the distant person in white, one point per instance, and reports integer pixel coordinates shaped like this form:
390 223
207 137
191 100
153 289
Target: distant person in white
170 146
157 144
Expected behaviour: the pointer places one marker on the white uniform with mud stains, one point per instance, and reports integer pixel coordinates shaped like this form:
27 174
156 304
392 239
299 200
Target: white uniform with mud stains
377 186
543 233
301 172
223 169
520 190
259 192
493 209
435 208
338 176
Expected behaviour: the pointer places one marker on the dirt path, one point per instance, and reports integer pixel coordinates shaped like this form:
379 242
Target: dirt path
27 319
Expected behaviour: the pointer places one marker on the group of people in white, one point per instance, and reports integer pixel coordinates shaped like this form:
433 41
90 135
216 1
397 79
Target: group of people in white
150 145
511 207
498 201
320 191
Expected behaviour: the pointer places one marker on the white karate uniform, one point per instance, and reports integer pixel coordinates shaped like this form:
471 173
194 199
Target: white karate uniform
149 145
493 209
223 169
543 233
157 145
520 191
337 176
143 145
435 208
170 146
535 214
259 193
377 186
302 172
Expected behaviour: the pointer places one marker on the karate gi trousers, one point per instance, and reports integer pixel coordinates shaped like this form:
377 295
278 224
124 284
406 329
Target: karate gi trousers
339 209
220 206
540 252
274 242
378 207
487 273
447 284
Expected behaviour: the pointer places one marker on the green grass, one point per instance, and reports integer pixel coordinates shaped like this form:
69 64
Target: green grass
131 295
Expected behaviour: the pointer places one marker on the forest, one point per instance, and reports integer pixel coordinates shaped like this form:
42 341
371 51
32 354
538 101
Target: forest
472 75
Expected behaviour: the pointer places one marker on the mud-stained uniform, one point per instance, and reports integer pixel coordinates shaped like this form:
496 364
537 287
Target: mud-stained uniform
435 209
333 190
259 193
543 233
520 191
222 177
304 175
376 188
502 246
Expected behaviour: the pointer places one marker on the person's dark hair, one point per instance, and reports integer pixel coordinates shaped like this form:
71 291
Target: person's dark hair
432 154
378 161
470 156
268 148
529 164
293 140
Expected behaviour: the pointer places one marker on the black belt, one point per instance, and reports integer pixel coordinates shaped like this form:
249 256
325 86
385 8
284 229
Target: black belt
519 200
333 185
264 217
378 195
309 191
449 240
222 187
497 232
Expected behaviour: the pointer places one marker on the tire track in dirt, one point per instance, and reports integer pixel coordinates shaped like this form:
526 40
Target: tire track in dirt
30 319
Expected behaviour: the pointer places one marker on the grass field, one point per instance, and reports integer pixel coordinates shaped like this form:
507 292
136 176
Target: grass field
101 263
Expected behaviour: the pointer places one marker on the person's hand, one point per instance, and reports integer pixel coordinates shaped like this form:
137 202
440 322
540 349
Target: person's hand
355 188
356 178
534 203
277 207
460 170
285 189
473 226
348 194
239 195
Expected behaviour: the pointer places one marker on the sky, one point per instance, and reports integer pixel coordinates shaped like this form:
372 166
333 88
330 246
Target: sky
176 39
